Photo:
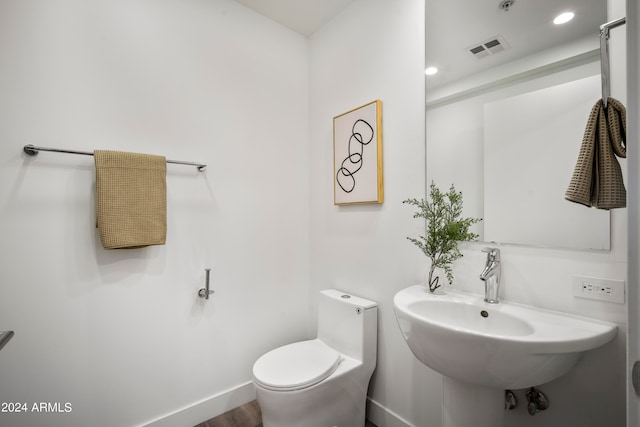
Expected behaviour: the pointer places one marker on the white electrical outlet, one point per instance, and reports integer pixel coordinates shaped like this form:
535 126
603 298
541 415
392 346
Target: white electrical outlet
600 289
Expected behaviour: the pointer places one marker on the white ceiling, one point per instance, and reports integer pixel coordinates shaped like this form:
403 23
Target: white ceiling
454 26
302 16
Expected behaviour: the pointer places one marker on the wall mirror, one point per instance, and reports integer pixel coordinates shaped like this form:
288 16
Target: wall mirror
506 113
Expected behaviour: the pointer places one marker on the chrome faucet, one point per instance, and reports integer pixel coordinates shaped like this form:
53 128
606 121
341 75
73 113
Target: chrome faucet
491 275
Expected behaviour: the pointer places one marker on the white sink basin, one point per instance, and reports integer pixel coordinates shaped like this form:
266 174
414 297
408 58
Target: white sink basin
502 346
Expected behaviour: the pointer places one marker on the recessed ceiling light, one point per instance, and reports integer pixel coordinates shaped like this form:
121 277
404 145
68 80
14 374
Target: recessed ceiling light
563 18
430 71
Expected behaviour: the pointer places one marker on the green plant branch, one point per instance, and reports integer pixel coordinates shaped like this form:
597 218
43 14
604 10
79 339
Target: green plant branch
443 230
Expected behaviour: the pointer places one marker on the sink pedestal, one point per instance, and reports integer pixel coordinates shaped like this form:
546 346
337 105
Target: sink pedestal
465 405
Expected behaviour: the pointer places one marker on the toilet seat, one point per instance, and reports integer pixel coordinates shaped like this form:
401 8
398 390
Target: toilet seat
296 366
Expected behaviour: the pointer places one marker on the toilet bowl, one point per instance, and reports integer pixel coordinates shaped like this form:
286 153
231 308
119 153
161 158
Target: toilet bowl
322 382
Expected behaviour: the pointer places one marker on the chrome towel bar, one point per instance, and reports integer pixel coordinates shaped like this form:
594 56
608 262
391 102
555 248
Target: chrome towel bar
33 150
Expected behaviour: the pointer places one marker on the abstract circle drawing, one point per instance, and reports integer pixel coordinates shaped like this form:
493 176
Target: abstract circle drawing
361 135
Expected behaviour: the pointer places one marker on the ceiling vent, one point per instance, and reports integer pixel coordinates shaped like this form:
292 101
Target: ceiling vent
489 47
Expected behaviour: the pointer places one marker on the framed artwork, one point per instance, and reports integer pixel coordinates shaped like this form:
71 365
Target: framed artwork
357 155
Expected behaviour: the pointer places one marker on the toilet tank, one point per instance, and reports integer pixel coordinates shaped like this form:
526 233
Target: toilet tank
348 323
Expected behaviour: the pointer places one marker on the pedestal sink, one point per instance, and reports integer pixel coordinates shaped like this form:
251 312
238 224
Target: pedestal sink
483 349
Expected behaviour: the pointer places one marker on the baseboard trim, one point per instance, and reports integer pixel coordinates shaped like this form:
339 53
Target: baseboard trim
244 393
207 408
384 417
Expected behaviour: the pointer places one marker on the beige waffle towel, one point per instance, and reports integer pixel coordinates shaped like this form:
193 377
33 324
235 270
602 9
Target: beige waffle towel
597 178
131 196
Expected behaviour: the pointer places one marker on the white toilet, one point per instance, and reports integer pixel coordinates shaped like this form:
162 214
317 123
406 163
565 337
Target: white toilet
322 382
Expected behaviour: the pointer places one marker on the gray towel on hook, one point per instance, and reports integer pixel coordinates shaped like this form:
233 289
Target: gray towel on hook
597 178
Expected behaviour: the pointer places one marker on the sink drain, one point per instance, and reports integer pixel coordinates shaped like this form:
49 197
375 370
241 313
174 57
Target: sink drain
484 313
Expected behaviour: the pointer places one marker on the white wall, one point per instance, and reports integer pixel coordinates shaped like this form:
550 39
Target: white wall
121 335
633 350
593 393
374 50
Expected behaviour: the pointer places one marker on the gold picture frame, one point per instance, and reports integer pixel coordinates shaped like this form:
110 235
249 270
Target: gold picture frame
357 155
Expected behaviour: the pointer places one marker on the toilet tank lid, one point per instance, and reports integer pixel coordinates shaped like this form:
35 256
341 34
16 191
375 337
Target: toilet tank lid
349 298
296 366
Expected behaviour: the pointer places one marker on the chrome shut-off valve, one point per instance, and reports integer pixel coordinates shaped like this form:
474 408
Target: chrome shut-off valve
536 401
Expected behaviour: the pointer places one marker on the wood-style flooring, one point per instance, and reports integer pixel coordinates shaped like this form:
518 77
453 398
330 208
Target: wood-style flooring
247 415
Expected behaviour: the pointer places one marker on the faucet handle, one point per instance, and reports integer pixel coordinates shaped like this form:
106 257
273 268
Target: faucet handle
493 254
